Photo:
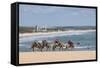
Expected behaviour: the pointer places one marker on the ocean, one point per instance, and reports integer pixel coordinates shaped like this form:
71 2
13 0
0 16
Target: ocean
87 40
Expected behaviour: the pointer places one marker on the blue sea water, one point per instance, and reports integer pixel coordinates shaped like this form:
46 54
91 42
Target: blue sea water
87 41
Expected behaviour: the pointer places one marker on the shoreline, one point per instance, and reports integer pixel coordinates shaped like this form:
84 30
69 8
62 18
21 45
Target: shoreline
39 57
51 33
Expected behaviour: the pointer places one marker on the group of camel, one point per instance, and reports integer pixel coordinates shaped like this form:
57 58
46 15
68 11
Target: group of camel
55 44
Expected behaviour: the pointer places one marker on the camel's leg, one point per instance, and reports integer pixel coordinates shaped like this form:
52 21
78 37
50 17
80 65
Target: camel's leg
54 48
72 46
41 49
59 48
62 48
47 49
33 49
66 47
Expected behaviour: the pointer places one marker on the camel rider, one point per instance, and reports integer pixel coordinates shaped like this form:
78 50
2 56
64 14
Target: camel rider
70 43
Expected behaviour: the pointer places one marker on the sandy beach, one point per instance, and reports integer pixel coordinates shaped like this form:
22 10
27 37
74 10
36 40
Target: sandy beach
38 57
52 33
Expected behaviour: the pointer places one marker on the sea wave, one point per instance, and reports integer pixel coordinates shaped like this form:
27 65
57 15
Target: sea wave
43 36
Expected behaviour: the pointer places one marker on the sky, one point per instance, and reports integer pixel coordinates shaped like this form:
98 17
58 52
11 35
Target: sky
32 15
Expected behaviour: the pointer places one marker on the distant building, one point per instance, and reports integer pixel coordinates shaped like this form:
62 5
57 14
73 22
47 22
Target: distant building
44 29
36 28
40 29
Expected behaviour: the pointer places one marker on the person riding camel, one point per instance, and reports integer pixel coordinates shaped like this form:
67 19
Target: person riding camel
71 44
56 41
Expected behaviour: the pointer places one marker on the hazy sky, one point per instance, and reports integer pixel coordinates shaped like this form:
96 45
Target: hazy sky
31 15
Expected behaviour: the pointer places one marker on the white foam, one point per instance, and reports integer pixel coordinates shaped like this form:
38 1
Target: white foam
43 36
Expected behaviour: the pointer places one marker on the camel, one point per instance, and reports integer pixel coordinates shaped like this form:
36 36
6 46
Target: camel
70 44
55 44
40 46
59 44
36 44
45 44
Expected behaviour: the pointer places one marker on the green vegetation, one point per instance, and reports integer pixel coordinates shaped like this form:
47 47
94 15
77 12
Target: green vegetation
25 29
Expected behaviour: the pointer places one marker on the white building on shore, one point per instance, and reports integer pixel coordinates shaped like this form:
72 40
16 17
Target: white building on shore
40 29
